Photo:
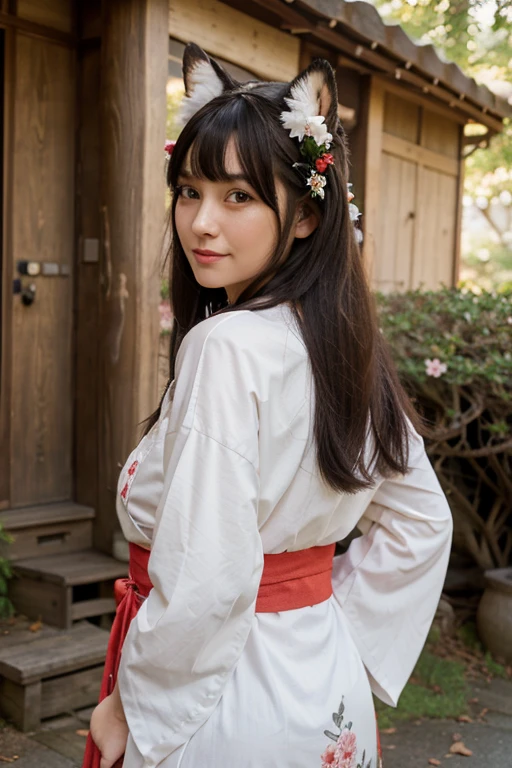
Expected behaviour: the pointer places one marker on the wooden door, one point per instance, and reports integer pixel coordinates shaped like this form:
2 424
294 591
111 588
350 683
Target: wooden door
37 402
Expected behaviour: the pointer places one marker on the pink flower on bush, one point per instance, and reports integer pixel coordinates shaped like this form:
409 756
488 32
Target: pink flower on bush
435 367
328 758
345 752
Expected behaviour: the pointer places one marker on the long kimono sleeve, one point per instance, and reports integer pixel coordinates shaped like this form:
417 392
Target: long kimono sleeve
389 581
206 557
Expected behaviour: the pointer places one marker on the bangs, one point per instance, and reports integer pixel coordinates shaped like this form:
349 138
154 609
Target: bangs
205 138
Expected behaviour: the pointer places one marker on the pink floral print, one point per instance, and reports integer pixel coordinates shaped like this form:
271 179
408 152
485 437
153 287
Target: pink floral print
343 753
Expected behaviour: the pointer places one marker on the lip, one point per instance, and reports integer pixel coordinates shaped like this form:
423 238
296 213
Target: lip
207 257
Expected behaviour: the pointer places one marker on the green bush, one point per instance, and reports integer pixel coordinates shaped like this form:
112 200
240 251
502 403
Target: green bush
453 350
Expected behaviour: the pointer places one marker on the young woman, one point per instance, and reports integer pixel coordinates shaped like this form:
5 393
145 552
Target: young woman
284 428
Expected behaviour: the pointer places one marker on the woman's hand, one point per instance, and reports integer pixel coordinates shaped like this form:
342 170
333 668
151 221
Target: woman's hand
109 729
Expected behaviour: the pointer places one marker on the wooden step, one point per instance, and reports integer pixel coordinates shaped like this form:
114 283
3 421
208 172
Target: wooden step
64 588
51 674
47 529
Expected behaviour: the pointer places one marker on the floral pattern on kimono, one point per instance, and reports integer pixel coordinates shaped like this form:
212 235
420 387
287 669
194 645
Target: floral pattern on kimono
343 753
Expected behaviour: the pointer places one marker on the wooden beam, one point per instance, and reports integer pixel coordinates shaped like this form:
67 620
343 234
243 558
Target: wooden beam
235 37
133 101
459 213
413 152
372 199
37 30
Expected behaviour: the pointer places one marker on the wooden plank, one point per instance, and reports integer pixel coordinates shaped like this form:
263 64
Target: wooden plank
81 647
17 633
47 514
135 42
223 31
43 204
72 569
405 91
6 267
21 704
435 233
401 117
413 152
88 333
52 13
72 691
8 21
395 245
39 600
58 539
97 607
459 211
440 134
372 200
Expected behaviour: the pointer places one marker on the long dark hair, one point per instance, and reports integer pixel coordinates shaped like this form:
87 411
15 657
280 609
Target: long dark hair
357 391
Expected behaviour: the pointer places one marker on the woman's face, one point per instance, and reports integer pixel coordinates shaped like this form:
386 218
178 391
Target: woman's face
226 231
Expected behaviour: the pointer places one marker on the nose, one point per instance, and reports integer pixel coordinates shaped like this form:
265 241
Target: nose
206 220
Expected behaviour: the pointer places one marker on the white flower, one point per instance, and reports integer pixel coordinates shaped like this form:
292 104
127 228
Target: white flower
301 125
295 122
353 212
317 183
359 235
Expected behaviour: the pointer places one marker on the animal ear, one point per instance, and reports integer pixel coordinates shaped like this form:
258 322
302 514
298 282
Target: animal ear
314 92
204 80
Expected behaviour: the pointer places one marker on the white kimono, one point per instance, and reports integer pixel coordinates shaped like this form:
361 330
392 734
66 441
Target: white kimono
229 473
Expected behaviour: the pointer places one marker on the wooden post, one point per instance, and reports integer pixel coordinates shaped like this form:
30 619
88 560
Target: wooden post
372 199
133 103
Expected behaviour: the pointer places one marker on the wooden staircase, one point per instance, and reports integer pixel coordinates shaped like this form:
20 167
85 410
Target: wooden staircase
60 580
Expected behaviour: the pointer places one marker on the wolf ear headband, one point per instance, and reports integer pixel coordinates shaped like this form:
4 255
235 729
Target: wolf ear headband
312 102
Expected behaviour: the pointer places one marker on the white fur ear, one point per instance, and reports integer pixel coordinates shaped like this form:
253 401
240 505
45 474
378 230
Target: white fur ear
305 94
313 93
203 84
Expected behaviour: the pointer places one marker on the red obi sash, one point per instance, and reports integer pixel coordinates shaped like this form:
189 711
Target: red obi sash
290 580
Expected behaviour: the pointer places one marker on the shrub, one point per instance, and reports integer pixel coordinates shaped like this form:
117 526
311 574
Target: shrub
454 354
6 607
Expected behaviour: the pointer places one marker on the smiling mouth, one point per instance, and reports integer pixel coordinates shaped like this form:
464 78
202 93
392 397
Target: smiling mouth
207 257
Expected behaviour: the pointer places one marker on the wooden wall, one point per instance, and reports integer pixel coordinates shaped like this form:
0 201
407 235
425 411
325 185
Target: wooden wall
412 193
236 37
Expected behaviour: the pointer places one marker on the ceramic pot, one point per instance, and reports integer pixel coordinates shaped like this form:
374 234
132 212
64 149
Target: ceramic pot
494 616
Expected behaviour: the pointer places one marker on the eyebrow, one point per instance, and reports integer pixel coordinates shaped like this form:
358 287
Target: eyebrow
187 174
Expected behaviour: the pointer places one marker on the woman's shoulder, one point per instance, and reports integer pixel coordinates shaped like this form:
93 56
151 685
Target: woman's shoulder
243 332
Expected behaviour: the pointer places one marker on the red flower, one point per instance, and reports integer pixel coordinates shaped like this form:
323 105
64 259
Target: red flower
169 147
323 162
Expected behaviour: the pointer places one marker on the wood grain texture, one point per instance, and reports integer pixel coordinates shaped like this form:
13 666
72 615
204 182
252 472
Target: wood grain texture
52 13
21 704
421 155
43 213
223 31
372 199
401 118
71 691
6 265
134 75
87 329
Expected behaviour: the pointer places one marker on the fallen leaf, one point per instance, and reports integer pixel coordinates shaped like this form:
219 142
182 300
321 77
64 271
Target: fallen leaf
456 737
389 746
388 730
484 712
6 759
433 761
464 719
473 701
459 748
82 732
36 626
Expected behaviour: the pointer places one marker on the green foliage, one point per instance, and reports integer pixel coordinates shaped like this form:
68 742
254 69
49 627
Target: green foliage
470 333
6 607
465 339
438 689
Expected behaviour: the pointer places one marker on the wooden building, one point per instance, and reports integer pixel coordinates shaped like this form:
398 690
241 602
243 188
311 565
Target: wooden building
82 128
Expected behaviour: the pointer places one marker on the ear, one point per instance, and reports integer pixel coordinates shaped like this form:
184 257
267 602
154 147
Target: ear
314 92
204 81
307 221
